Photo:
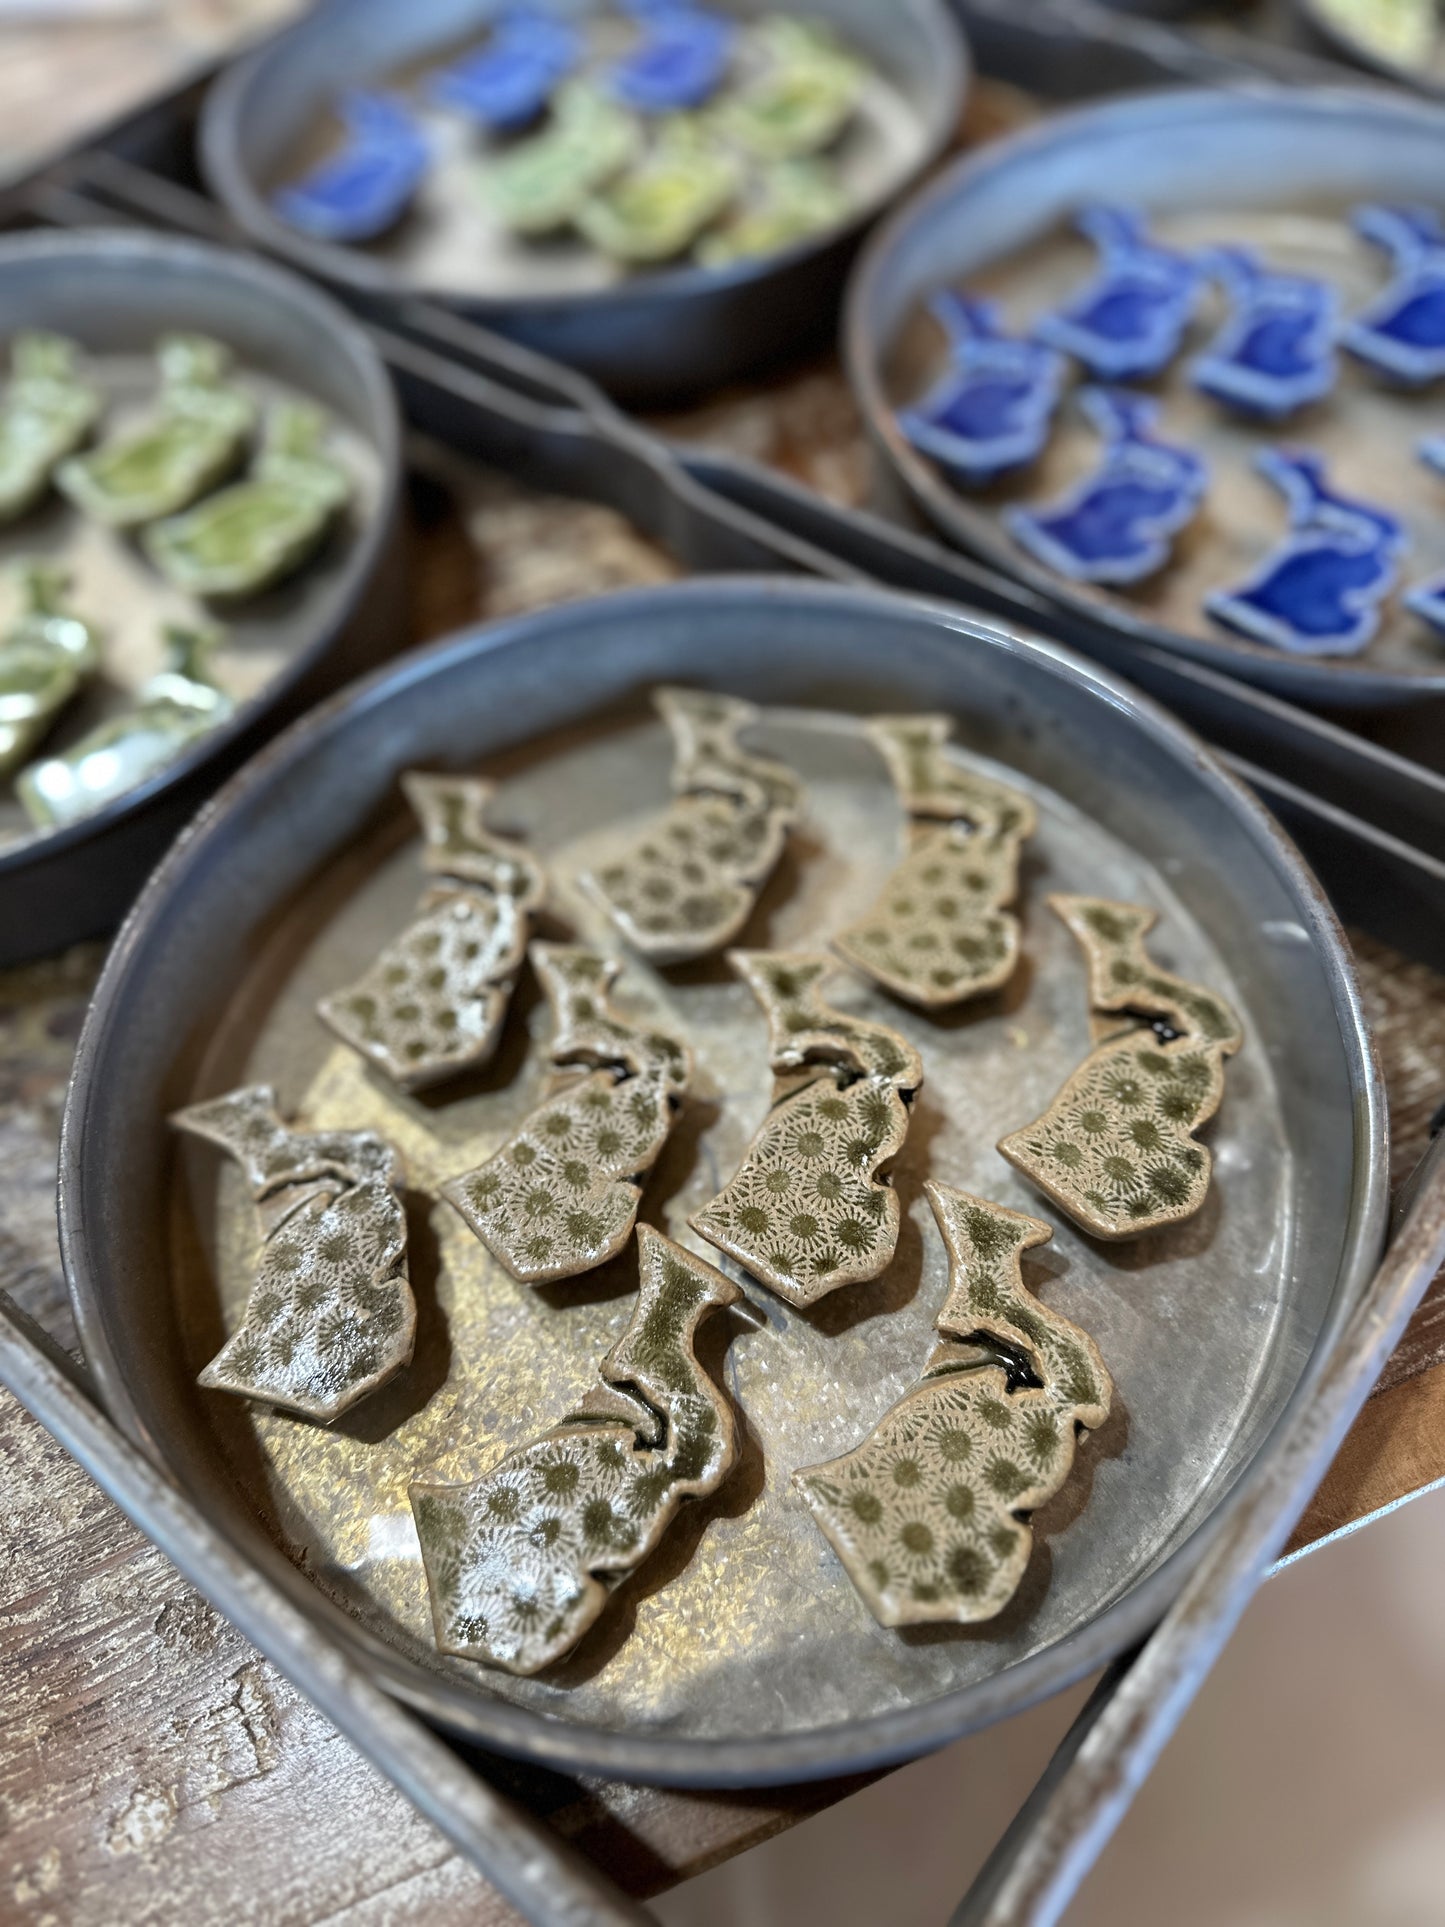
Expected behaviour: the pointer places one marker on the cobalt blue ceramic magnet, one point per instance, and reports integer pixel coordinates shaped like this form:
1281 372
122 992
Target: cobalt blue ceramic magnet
1275 353
1129 319
509 80
1402 333
1115 526
1318 593
1427 599
992 408
680 61
367 185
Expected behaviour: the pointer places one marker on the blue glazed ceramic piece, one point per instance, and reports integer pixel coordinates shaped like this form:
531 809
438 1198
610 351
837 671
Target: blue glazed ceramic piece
993 407
1427 599
1275 352
1115 525
365 188
1129 320
1318 593
1402 333
680 61
508 82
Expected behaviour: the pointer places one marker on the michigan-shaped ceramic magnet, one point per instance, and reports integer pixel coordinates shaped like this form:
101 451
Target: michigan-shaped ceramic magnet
680 58
1275 352
993 406
1128 320
46 655
369 182
507 82
48 409
1401 334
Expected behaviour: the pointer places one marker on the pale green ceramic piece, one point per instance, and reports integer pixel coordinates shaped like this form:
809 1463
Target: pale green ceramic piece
45 656
793 200
193 439
540 185
48 410
257 532
658 209
174 707
801 100
1403 31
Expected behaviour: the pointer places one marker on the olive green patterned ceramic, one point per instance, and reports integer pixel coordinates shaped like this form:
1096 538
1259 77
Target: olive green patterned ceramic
520 1564
807 1211
171 711
688 883
659 207
48 410
930 1514
1116 1147
790 201
193 439
538 186
561 1195
45 656
331 1314
261 530
802 98
939 933
435 1000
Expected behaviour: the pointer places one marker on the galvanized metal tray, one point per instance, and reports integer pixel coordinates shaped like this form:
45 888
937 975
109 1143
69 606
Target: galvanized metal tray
646 336
116 293
750 1660
1272 169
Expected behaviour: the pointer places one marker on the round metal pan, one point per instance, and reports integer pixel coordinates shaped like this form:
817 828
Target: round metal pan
1277 170
1328 26
115 294
740 1654
647 337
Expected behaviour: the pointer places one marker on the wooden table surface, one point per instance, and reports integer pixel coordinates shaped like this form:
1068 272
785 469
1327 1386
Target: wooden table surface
152 1765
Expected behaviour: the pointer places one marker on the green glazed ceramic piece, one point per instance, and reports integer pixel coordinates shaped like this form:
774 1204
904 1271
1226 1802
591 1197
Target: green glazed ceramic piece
45 657
331 1315
688 884
193 439
794 200
259 531
930 1514
541 184
48 410
521 1563
939 933
803 97
1402 31
807 1211
658 208
561 1195
435 1000
172 710
1116 1148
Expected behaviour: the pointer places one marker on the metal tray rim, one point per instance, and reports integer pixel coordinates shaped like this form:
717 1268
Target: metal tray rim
821 1752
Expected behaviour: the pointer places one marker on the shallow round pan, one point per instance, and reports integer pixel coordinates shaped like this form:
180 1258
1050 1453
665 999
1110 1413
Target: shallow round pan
1276 170
740 1654
653 336
115 294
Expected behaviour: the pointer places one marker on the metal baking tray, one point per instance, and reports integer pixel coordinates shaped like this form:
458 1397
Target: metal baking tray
646 336
115 293
291 880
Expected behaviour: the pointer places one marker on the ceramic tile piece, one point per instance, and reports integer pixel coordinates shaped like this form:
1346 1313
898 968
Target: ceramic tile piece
48 410
368 184
658 208
992 408
1116 526
1128 321
506 83
939 932
538 186
1318 592
1116 1148
46 655
173 709
929 1515
689 882
679 61
790 201
192 440
1275 353
1401 334
561 1195
807 1211
521 1563
435 1000
803 95
1427 599
1402 31
331 1315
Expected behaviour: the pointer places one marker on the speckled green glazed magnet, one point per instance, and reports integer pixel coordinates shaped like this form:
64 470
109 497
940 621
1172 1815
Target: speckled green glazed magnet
45 656
48 410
